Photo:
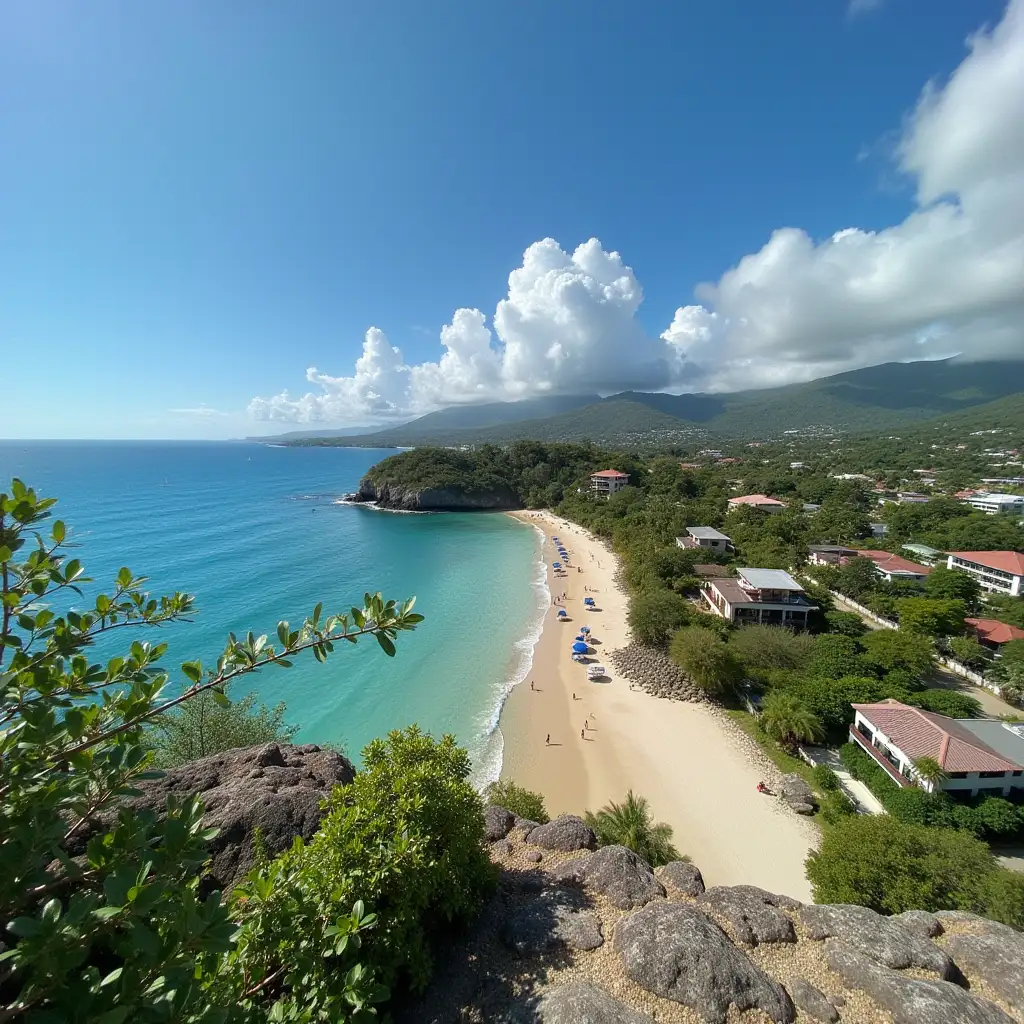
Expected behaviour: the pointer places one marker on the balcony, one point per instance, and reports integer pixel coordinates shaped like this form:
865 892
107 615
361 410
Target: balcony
865 744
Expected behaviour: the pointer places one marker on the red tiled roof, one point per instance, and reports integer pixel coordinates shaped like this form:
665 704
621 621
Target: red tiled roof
924 734
611 474
894 563
1008 561
994 631
755 499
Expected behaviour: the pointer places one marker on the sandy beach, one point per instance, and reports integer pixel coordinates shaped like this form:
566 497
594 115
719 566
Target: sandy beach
697 769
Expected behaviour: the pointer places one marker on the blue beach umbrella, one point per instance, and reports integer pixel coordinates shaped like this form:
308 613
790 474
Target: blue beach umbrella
589 602
579 648
562 614
584 629
581 638
556 565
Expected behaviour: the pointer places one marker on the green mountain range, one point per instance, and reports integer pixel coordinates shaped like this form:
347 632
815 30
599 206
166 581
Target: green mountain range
877 398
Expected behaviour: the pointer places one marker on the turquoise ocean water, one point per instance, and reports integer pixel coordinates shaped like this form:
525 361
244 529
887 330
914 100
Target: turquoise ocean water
257 534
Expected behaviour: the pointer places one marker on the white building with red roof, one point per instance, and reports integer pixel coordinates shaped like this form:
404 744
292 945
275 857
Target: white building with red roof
993 633
761 501
606 482
998 572
896 567
979 755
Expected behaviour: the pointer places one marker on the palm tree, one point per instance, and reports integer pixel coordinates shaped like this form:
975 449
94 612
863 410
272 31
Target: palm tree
929 770
629 824
788 720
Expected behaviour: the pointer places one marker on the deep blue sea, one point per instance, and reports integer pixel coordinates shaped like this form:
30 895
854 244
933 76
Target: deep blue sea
256 533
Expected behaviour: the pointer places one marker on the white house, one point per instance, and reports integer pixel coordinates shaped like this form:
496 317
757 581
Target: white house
704 537
770 596
978 755
993 504
998 572
607 481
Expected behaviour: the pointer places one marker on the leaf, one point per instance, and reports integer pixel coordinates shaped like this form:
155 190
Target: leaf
221 698
58 531
385 644
282 632
192 669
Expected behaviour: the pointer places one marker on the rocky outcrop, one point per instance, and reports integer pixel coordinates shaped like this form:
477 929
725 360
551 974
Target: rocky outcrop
881 938
580 1002
497 822
920 922
538 954
552 919
813 1001
617 873
566 833
995 959
277 788
910 1000
655 673
682 876
676 952
752 915
433 499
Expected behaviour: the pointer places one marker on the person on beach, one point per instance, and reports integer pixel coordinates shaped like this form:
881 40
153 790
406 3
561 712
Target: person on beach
582 735
547 740
531 685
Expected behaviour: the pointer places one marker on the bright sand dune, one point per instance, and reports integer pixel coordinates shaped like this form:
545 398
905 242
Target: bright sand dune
698 771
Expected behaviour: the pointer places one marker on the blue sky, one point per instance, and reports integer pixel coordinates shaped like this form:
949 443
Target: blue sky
200 200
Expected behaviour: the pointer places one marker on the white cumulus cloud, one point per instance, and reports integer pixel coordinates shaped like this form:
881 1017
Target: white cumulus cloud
949 279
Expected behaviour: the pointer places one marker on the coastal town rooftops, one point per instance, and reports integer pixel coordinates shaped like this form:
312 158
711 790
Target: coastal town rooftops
994 631
769 579
888 562
706 533
959 745
708 570
835 549
610 474
756 499
1006 561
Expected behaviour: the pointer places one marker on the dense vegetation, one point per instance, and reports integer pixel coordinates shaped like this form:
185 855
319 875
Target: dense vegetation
631 824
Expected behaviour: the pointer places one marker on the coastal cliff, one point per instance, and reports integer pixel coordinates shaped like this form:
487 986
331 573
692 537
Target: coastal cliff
433 499
436 480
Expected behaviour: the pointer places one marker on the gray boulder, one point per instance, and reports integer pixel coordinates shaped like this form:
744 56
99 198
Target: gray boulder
497 822
681 876
910 1000
277 788
796 791
813 1001
882 938
674 951
553 919
920 922
801 808
752 913
566 833
580 1002
975 924
997 962
616 872
525 826
534 856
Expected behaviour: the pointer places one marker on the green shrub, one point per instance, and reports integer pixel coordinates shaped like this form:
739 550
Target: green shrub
951 703
404 839
825 778
835 807
845 623
770 647
705 658
654 615
522 802
890 866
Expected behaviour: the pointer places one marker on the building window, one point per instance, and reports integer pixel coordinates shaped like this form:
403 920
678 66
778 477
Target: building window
991 775
958 775
1016 774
